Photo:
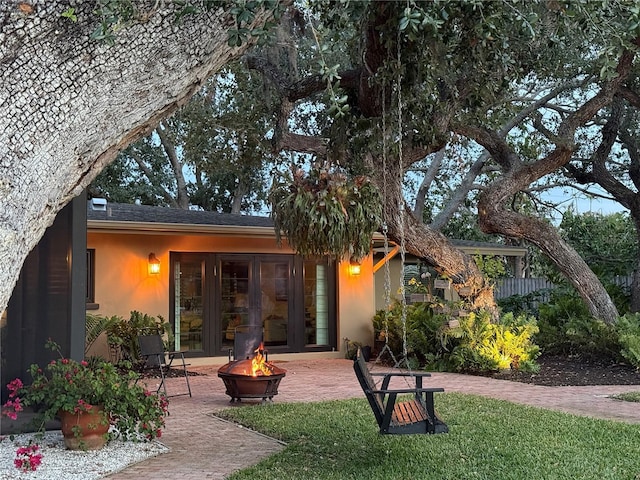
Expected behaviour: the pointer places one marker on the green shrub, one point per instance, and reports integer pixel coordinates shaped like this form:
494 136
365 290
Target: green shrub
123 334
523 304
628 331
485 345
95 325
564 305
567 328
589 337
442 341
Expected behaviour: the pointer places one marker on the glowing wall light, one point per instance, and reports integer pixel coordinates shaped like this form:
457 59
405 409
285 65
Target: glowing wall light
354 267
154 264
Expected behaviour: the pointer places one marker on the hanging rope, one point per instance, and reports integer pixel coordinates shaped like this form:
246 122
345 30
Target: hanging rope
385 230
397 363
405 354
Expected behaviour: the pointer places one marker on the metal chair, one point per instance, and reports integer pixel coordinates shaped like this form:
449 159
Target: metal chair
155 357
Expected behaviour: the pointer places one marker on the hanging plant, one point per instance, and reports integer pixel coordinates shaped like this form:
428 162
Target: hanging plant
325 213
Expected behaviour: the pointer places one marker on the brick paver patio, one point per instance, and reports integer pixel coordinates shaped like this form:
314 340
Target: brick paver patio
205 447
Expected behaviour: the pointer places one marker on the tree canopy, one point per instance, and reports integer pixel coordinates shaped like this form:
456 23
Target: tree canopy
522 79
70 102
526 80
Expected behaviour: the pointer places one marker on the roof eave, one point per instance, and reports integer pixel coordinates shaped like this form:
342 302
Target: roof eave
110 226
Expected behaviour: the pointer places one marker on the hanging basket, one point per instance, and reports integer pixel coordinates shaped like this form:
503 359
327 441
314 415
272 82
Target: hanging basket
325 214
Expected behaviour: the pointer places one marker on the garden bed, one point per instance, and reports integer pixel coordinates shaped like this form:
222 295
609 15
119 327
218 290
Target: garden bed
562 371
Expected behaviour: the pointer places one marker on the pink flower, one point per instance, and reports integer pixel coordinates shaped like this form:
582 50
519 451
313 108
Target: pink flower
28 458
11 408
13 386
84 363
12 415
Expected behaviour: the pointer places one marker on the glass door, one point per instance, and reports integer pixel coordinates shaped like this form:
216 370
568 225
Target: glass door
236 302
189 303
275 297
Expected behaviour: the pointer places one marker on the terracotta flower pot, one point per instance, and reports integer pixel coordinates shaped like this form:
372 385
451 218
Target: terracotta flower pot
84 430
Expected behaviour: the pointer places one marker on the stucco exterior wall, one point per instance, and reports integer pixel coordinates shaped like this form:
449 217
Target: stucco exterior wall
123 283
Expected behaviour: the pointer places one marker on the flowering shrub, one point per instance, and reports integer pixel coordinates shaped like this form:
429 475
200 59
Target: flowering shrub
70 386
28 458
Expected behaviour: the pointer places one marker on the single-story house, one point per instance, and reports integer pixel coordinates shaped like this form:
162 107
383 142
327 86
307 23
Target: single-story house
208 274
205 273
514 257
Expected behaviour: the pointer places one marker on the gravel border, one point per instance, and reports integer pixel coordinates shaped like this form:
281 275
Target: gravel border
61 464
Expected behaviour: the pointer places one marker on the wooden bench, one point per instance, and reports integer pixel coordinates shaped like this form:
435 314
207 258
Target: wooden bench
416 415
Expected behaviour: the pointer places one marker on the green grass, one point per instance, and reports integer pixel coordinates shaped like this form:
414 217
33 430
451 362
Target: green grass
488 439
628 396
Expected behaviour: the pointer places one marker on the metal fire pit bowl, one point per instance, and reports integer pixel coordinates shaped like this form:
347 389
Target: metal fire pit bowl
241 384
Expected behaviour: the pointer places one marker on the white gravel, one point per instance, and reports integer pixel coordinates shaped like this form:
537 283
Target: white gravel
60 464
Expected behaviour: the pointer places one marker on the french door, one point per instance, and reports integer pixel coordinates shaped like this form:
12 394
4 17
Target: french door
255 293
288 302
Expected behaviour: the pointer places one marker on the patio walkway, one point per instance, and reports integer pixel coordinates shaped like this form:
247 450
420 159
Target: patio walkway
205 447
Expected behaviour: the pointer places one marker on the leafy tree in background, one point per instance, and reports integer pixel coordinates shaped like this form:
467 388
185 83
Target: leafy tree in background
212 154
607 243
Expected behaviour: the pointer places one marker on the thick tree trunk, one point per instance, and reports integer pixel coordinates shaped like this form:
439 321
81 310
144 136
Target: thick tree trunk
69 104
423 242
494 218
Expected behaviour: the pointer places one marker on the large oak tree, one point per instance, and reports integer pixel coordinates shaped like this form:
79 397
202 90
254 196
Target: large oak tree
421 72
69 102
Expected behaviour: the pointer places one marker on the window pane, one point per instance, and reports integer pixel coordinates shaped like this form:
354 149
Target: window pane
235 298
91 278
274 288
188 301
316 303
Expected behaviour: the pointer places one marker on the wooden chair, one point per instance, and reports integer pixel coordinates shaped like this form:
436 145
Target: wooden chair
416 415
153 353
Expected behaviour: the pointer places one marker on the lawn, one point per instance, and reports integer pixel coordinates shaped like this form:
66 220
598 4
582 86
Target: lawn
488 439
628 397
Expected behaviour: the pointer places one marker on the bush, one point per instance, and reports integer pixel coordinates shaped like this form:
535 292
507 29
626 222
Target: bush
628 331
441 341
488 346
567 328
523 304
123 335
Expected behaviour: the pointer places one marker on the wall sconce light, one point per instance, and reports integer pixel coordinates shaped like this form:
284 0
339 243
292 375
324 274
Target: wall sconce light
354 267
154 264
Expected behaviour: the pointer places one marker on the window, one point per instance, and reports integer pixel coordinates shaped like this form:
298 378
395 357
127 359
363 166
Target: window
91 280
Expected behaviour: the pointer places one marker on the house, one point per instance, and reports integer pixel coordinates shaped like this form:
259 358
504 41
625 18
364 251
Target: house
205 273
513 255
209 274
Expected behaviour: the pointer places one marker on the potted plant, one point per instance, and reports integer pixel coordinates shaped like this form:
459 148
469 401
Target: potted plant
420 290
95 393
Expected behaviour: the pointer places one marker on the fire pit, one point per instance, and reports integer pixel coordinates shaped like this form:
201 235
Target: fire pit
251 378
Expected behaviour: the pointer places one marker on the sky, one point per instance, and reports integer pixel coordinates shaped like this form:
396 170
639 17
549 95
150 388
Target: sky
580 203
